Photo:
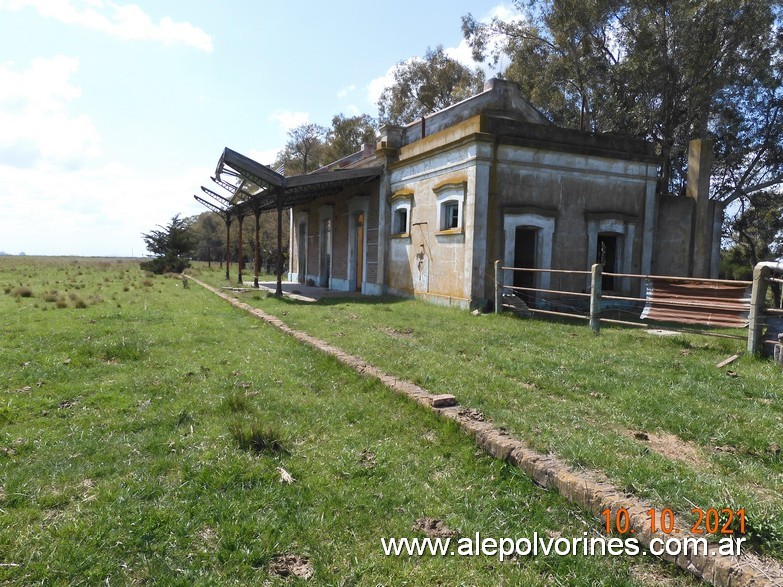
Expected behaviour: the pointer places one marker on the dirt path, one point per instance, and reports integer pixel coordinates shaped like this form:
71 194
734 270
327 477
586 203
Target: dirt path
590 491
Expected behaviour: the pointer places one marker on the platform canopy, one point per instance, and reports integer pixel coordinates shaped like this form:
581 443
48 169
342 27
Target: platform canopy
254 188
257 187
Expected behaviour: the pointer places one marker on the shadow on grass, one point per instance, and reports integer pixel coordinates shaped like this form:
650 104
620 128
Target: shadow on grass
339 301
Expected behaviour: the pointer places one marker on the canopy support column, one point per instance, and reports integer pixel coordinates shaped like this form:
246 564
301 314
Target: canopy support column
228 246
239 251
279 287
257 252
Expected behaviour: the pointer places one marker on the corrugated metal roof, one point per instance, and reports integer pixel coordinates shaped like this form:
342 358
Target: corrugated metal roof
697 302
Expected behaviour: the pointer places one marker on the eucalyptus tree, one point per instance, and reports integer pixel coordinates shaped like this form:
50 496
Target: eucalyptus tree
425 85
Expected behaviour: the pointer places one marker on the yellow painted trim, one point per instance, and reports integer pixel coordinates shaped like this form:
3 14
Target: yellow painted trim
449 232
452 182
415 158
401 195
446 136
400 235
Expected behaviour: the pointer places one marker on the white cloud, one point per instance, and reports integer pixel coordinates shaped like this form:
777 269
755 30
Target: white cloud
56 194
376 86
34 118
124 21
464 55
345 91
100 210
504 12
461 53
288 120
265 157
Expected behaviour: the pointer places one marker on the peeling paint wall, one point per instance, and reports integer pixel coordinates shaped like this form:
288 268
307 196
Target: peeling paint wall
581 192
674 247
435 261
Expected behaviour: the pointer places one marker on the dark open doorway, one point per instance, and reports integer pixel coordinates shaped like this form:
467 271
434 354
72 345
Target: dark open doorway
525 258
606 255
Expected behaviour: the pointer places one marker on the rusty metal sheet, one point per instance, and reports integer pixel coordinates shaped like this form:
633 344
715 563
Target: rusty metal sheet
697 302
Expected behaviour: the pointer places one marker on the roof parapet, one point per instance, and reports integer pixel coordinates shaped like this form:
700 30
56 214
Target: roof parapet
500 97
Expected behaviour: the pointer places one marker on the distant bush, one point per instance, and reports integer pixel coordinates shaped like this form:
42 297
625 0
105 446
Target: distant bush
22 292
165 265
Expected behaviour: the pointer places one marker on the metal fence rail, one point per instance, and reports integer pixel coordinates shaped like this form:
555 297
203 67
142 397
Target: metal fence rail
679 300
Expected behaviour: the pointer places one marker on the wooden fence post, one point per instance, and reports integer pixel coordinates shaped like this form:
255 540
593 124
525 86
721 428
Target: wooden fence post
498 296
758 296
595 298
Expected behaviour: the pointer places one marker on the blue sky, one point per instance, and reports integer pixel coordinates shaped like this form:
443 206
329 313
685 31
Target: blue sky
113 114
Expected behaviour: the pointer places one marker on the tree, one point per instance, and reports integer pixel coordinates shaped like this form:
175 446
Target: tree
209 234
304 150
170 245
758 228
757 233
559 53
311 146
347 136
661 70
422 86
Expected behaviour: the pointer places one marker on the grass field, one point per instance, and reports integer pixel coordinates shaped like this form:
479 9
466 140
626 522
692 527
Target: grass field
653 413
145 429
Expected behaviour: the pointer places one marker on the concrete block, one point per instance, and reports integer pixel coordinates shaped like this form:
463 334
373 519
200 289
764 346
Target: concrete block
443 400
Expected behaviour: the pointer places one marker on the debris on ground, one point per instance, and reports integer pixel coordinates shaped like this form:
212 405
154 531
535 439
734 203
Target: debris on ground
285 476
291 565
433 527
725 362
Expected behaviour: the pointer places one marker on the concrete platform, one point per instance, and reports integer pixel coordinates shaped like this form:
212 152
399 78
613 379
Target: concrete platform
304 293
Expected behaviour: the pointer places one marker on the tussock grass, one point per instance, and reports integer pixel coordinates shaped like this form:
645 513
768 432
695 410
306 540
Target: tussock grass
257 437
237 402
22 292
51 296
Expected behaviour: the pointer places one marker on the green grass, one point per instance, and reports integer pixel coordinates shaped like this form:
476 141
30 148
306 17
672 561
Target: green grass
122 460
567 392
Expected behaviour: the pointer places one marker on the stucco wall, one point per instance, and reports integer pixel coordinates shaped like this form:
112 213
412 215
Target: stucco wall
432 262
574 190
673 246
585 194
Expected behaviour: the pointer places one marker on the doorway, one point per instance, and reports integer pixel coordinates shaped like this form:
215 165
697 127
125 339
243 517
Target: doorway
525 258
606 255
359 236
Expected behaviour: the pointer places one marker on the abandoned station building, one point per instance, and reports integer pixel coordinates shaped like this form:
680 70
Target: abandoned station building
427 210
